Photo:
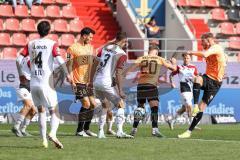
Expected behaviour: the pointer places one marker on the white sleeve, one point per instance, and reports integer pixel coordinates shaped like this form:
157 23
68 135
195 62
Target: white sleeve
61 62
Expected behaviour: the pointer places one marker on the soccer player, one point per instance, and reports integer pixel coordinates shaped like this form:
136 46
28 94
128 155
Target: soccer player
211 81
186 73
28 111
112 59
80 64
150 67
43 52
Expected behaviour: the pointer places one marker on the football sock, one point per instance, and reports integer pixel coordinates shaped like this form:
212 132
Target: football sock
81 119
102 118
89 116
154 116
42 119
196 120
25 124
19 121
196 92
54 123
110 124
120 118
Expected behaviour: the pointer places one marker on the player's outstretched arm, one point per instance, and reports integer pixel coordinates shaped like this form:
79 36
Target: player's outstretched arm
62 63
171 80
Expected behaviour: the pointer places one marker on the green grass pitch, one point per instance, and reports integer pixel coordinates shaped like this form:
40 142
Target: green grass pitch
213 142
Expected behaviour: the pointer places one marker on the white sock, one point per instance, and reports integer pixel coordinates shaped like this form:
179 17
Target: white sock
25 124
54 123
42 119
110 124
102 118
19 121
120 118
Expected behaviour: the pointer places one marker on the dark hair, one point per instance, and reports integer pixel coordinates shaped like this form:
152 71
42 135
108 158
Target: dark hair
43 28
120 36
207 35
87 31
153 47
185 54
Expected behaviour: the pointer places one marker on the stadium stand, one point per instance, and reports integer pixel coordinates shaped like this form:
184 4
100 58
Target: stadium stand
28 25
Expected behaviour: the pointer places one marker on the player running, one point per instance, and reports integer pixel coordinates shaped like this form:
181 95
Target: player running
211 81
111 62
43 52
186 73
80 64
28 111
150 67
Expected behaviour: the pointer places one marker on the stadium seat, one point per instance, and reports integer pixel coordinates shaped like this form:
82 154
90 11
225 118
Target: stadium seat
21 11
37 11
182 3
48 2
5 39
196 3
53 37
12 24
53 11
76 26
69 12
9 53
225 3
28 25
237 3
233 14
19 39
67 40
60 25
234 43
63 2
1 25
211 3
6 11
227 28
33 36
237 28
218 14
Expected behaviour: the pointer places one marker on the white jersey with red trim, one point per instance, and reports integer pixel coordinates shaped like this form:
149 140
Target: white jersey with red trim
41 52
186 73
25 67
111 57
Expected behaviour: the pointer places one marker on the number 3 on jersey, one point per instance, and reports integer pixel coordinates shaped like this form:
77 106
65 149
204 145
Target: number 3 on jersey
106 58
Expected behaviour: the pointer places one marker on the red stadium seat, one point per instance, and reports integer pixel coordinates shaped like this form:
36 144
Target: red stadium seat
234 43
237 27
5 39
196 3
60 25
53 37
182 3
211 3
33 36
12 24
53 11
9 53
48 2
227 28
76 26
69 12
28 25
1 25
67 40
21 11
218 14
37 11
6 11
63 1
19 39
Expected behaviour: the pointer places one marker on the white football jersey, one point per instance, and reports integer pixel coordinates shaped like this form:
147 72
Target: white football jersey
186 73
111 57
25 67
41 52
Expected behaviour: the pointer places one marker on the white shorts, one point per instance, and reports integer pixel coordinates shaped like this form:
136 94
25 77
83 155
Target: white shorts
186 98
44 96
108 93
23 94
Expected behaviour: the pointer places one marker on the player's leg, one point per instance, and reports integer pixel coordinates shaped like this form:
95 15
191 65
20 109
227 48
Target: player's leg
198 83
102 117
109 119
175 117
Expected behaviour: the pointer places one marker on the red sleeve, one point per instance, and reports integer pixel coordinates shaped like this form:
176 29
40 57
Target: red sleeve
99 54
25 52
176 72
121 61
28 64
56 50
195 71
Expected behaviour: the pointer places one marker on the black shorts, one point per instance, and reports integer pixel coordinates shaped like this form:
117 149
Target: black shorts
147 92
185 87
83 91
210 88
25 85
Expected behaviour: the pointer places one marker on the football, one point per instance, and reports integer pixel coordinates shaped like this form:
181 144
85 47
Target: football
139 113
